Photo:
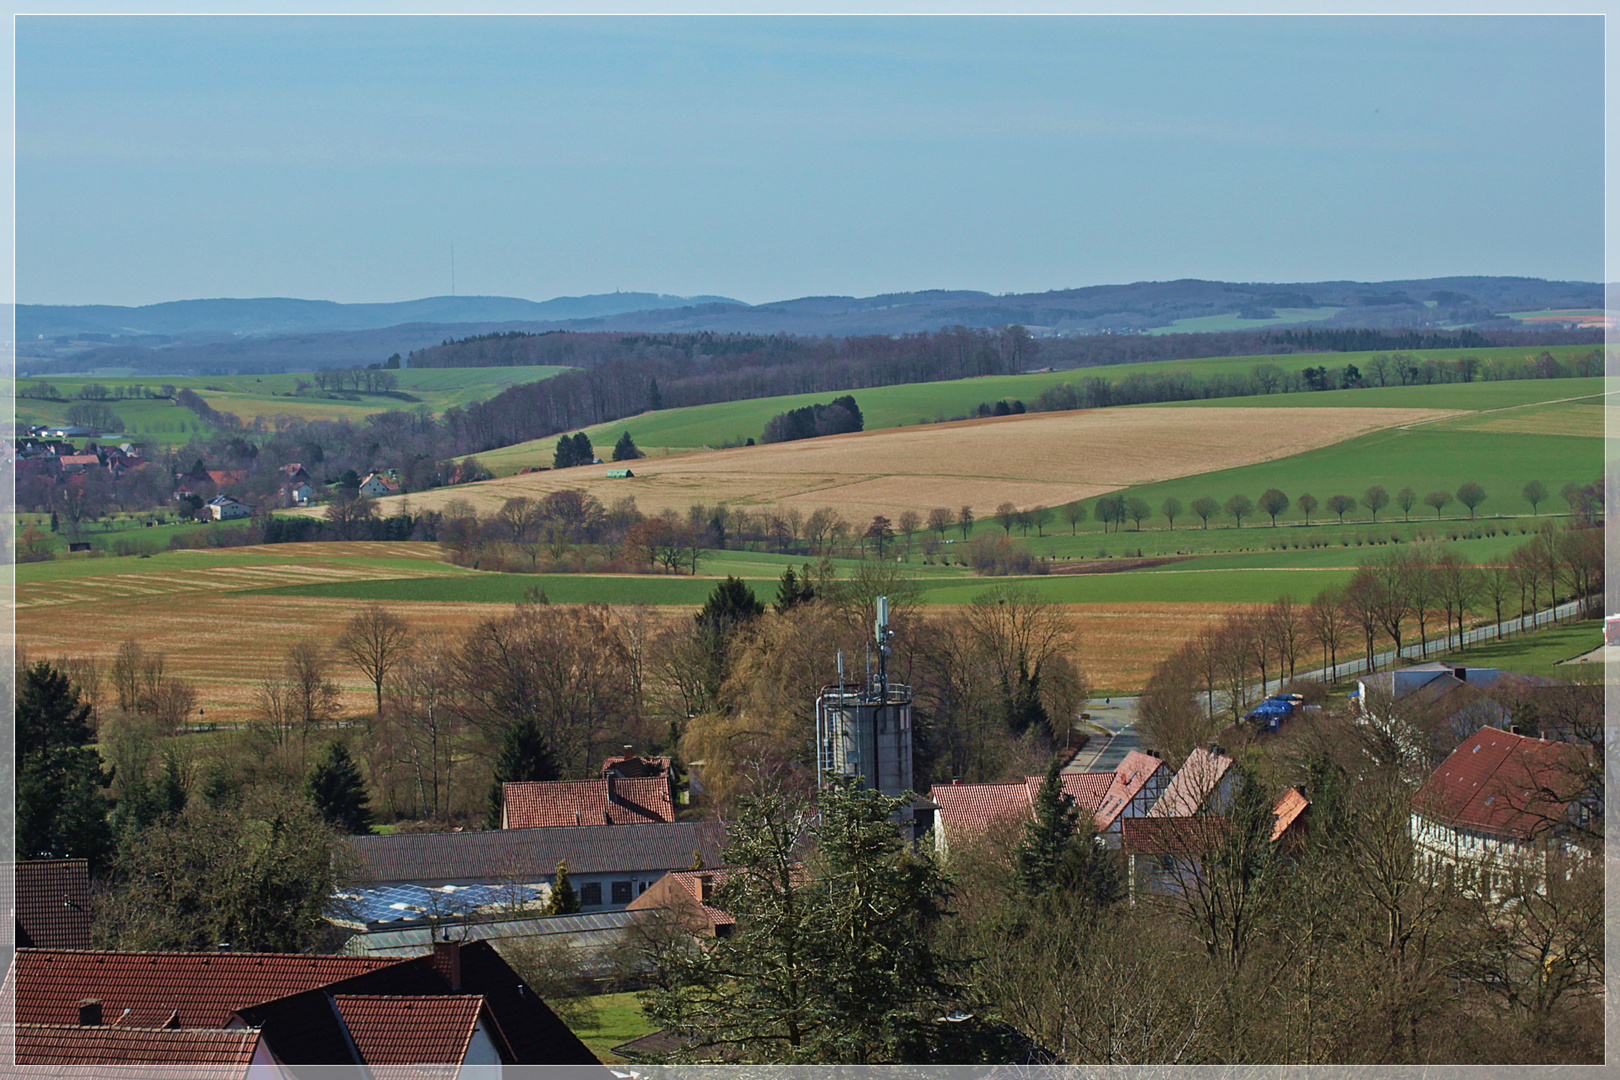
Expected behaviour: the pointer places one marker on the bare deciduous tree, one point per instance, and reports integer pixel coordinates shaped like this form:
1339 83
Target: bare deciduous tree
374 641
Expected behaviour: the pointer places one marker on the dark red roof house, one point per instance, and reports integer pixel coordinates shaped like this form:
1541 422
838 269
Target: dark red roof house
610 800
1503 786
969 809
459 1005
53 904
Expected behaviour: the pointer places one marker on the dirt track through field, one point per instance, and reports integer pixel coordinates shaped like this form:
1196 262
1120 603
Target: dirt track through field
1042 459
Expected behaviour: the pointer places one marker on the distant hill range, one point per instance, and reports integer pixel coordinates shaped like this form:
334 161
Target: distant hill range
209 336
277 315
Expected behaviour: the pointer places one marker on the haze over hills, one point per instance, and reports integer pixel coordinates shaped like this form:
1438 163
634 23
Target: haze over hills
276 334
278 315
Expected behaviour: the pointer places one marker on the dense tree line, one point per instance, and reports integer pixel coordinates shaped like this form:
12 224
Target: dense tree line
834 418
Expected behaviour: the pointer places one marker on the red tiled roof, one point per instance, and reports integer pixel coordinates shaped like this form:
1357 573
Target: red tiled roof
1502 784
53 904
206 988
227 476
635 766
971 808
1177 835
543 803
692 882
1130 777
1086 789
410 1030
1198 776
1289 807
79 459
70 1044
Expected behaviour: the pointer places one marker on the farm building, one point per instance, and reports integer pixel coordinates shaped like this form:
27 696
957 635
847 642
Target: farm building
588 934
225 508
1203 784
688 894
1166 854
1498 806
377 484
608 865
620 474
52 904
1128 791
610 800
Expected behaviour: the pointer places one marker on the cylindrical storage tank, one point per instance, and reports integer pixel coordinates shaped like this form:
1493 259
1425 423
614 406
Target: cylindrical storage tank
866 735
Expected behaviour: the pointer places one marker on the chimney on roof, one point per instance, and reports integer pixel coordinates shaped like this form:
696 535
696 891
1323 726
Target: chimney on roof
447 962
90 1012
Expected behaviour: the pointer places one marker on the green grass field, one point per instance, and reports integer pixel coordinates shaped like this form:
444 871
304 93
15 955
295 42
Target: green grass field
271 396
618 1020
1427 459
491 588
1474 395
1539 652
913 403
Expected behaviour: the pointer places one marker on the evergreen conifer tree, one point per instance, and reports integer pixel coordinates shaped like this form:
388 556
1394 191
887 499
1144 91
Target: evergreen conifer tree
791 590
1047 837
61 800
832 960
1061 853
564 457
625 449
564 898
338 791
583 452
523 756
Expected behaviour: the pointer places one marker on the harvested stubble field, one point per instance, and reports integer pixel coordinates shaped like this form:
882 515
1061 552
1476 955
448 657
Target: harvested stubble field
1036 459
1120 643
218 630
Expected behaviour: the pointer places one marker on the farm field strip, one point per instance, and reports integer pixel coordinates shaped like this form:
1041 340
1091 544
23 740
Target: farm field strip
1459 397
702 426
101 589
1046 458
271 396
228 657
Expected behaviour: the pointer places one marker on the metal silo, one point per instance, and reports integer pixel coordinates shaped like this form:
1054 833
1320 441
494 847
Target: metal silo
864 728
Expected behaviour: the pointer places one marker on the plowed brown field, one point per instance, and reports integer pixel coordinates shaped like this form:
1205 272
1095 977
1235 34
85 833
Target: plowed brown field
1040 459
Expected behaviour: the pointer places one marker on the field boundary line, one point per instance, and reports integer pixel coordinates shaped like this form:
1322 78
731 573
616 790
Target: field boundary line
1505 408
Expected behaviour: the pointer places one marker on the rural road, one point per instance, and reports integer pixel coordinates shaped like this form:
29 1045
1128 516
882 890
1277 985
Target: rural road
1113 735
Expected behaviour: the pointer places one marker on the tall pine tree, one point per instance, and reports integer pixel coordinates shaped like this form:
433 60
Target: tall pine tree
339 792
625 449
61 790
1061 852
523 756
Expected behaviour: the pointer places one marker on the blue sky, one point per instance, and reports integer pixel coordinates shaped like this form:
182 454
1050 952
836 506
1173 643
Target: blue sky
765 158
